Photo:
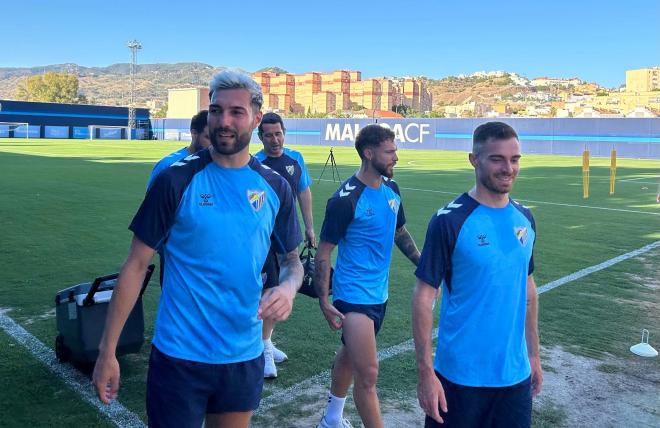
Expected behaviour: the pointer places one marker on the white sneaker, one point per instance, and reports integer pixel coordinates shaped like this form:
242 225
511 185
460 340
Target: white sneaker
278 355
343 423
270 371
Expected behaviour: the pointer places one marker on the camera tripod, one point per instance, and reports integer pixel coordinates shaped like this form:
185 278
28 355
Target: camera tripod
333 166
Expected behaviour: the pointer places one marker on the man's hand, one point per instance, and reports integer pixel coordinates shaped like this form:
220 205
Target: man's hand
310 237
106 378
537 375
331 314
431 395
276 303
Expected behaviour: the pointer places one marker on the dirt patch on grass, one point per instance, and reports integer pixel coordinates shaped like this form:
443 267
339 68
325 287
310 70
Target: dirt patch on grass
613 392
577 392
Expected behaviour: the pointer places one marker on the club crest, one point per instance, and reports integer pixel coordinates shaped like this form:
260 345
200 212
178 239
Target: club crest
290 169
394 205
521 235
256 198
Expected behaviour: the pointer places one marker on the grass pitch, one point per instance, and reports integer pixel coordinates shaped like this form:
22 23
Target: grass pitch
66 205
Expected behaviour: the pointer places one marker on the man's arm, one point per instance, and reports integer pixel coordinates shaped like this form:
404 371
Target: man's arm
322 284
532 336
277 302
124 296
406 244
305 201
429 389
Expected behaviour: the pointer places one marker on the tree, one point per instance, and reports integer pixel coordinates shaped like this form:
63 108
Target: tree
162 112
50 87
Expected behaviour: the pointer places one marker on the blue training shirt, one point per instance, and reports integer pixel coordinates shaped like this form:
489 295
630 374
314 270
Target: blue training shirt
362 222
165 162
482 256
289 165
214 225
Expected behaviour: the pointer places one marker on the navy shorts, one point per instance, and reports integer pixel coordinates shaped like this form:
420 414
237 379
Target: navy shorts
272 270
485 407
375 312
181 392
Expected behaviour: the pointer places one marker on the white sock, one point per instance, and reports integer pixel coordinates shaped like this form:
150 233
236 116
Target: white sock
268 343
335 410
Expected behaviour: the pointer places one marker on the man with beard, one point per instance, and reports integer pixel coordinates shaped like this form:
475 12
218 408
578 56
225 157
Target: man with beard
479 249
363 217
199 133
213 214
290 165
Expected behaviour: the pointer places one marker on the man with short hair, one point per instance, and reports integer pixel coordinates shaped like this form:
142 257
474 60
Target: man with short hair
213 214
479 249
290 165
363 217
199 134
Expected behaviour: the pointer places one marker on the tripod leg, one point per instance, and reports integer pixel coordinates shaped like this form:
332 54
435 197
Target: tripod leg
323 170
334 168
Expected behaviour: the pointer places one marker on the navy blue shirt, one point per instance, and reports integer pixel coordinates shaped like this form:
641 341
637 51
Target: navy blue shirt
362 222
214 225
289 165
482 257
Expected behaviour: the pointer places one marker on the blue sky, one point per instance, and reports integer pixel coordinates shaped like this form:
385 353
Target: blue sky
593 40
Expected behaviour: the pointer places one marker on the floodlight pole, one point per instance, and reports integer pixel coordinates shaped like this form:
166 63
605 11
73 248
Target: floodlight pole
133 45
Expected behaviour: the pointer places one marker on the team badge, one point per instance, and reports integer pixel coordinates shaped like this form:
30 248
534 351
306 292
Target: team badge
290 169
394 204
256 199
521 235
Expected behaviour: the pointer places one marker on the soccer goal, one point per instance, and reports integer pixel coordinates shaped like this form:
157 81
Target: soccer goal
14 130
109 132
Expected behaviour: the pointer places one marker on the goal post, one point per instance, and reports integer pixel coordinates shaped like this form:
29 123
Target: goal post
14 130
109 132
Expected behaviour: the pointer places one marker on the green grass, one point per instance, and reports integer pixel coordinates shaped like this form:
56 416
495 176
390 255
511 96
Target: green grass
66 206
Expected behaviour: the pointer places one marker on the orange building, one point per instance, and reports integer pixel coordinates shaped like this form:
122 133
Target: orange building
339 90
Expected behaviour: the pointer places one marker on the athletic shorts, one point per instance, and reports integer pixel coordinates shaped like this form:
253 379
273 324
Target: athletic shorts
181 392
375 312
272 270
485 407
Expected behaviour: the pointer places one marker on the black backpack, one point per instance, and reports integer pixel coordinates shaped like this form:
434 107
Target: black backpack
307 260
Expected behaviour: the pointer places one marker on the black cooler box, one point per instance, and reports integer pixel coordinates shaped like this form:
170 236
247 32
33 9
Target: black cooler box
80 313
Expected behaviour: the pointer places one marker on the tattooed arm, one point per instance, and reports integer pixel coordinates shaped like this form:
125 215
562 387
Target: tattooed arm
277 302
406 244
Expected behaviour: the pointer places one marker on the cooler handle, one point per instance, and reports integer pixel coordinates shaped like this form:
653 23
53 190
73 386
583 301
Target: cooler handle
89 299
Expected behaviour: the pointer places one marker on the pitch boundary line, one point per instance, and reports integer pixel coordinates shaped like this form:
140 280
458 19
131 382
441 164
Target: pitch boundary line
531 201
79 383
288 394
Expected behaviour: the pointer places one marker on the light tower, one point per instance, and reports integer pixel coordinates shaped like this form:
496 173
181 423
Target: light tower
133 45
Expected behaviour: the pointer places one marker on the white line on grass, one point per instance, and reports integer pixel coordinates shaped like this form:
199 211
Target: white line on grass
587 271
533 202
322 379
636 181
116 412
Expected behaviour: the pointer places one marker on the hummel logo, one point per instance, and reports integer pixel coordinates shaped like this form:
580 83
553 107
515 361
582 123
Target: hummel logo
444 210
205 200
348 187
369 212
185 160
482 240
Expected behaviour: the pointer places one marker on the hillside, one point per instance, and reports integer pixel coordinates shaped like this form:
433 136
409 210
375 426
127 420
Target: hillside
111 85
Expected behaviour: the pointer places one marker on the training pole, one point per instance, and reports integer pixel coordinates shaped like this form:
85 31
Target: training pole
585 173
612 170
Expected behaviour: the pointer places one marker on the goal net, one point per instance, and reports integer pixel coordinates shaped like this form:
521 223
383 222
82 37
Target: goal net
14 130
